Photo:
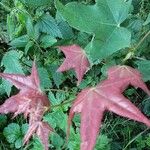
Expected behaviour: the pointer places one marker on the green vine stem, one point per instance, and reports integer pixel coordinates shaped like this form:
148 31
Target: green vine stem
62 104
131 53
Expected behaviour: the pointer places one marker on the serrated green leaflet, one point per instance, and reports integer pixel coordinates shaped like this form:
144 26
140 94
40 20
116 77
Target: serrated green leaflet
36 3
20 41
57 141
48 25
57 77
103 21
12 132
103 142
44 78
12 65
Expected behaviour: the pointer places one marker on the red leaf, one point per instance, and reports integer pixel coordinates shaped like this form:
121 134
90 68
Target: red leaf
30 101
22 82
93 102
75 59
42 129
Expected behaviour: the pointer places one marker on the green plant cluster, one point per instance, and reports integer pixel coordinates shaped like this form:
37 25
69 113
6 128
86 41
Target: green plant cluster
33 29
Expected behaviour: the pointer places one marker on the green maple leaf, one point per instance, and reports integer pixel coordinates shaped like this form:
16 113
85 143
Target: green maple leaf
102 20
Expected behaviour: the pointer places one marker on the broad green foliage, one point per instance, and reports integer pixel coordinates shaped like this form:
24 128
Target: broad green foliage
102 20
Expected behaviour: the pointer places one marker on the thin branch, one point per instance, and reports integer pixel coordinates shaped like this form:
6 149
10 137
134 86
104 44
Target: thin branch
132 50
55 90
142 40
62 104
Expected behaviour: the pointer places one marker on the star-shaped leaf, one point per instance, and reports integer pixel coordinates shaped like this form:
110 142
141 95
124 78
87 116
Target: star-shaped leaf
107 96
42 129
30 101
75 59
102 20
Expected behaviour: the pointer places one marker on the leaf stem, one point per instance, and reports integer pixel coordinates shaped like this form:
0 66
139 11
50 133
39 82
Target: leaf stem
37 44
131 53
62 104
142 40
55 90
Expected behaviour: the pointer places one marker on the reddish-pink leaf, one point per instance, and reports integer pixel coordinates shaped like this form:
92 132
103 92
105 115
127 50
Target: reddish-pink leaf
75 59
24 82
106 96
42 129
30 101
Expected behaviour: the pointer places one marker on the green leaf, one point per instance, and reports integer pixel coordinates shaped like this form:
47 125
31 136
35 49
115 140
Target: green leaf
106 66
146 106
64 27
55 100
18 143
47 24
12 132
37 144
47 41
103 21
2 90
144 68
66 30
37 3
10 26
148 140
3 120
83 39
57 141
30 28
20 41
57 119
11 57
44 78
57 76
24 128
28 46
74 140
147 20
103 142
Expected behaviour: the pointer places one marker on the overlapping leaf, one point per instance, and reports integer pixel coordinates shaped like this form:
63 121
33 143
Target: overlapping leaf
75 59
102 20
107 96
30 101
